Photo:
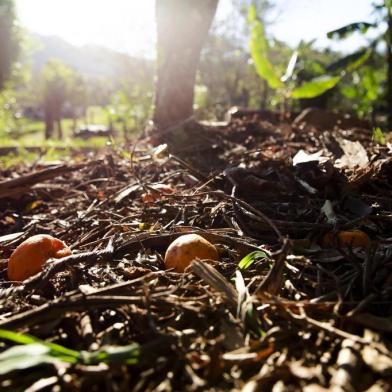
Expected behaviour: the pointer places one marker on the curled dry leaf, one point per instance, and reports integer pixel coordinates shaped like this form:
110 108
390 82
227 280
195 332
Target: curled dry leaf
157 192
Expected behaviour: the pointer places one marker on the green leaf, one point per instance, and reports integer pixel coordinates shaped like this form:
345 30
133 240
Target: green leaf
111 354
356 63
245 309
370 84
349 92
378 136
315 87
252 14
350 62
249 259
259 50
17 337
25 357
47 352
55 349
346 31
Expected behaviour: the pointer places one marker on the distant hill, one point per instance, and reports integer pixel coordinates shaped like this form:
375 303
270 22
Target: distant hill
89 60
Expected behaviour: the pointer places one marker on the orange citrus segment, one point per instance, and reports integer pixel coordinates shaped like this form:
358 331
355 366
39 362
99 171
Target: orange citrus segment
29 257
350 238
186 248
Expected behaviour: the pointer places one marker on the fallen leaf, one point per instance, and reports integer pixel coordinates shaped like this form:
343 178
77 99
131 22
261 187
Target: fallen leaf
355 155
302 157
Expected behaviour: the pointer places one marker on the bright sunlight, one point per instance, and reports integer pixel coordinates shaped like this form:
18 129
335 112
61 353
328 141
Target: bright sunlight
126 26
129 26
195 195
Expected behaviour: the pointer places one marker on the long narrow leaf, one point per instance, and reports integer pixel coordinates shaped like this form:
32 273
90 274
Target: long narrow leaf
315 87
114 354
47 352
245 309
352 66
55 349
249 259
345 31
350 62
260 51
24 357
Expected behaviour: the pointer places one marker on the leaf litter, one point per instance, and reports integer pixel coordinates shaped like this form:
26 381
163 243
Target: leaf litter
278 312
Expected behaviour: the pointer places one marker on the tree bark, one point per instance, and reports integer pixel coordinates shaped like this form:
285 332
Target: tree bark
389 60
182 27
59 129
49 121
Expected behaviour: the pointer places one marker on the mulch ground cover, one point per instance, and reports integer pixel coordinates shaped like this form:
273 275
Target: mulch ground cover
303 311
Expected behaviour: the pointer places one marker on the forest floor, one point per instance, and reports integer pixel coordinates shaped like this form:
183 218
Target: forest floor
307 312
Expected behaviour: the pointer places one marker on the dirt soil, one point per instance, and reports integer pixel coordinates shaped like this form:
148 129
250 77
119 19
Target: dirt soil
302 314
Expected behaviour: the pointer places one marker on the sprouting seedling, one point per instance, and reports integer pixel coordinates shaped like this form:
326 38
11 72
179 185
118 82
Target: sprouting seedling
31 351
250 258
245 308
260 53
378 136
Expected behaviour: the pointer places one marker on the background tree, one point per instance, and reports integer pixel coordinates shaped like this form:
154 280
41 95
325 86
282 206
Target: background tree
388 40
130 104
77 96
9 41
56 81
381 95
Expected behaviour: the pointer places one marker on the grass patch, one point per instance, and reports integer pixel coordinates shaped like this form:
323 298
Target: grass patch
31 134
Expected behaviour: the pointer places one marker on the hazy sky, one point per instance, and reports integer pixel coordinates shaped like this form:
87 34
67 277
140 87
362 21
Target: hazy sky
128 25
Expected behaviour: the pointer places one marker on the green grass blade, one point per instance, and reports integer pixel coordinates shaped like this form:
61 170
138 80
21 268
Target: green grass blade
26 356
249 259
55 349
121 354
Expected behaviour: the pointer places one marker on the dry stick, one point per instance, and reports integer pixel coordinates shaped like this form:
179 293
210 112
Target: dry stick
304 318
87 330
162 240
193 171
15 186
244 204
132 247
299 225
368 320
215 279
76 301
272 283
267 220
349 365
52 310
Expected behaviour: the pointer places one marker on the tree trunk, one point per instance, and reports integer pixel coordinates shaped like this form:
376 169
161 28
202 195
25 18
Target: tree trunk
49 122
264 95
74 122
85 115
182 27
389 60
59 129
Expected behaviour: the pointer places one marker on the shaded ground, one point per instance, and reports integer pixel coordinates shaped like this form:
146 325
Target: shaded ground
310 317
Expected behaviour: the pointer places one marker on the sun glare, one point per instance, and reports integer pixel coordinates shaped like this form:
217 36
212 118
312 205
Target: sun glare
124 25
129 25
